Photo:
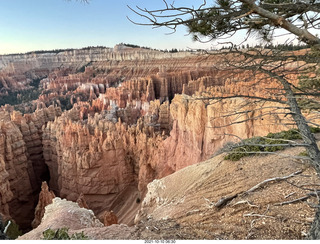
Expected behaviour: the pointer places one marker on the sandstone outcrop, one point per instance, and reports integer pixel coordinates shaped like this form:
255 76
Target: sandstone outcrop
63 214
109 218
87 158
82 201
15 163
13 68
45 198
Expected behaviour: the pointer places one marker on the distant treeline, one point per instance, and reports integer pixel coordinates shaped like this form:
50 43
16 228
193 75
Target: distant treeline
287 47
55 50
132 45
137 46
284 47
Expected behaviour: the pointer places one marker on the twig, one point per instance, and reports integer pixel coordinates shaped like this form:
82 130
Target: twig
292 201
289 195
245 201
300 187
317 195
272 179
221 202
210 204
253 221
258 215
310 194
243 15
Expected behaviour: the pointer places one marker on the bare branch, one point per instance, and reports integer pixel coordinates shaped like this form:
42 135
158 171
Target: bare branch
225 200
276 179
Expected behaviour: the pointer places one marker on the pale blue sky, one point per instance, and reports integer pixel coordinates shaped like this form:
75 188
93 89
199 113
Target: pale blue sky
28 25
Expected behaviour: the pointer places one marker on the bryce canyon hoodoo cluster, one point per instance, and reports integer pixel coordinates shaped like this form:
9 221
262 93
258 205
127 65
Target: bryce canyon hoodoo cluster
107 122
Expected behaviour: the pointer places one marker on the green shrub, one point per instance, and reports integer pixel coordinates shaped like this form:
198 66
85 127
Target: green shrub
252 145
62 234
292 134
304 154
314 129
13 231
308 104
255 145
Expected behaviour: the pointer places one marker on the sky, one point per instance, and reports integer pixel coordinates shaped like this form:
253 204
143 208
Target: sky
29 25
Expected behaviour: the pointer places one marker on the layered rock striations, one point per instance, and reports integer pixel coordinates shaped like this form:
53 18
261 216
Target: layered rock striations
71 57
15 162
42 63
22 161
5 191
88 158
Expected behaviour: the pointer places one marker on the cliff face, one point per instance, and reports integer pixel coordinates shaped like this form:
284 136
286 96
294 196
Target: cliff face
88 158
22 168
17 166
76 56
5 191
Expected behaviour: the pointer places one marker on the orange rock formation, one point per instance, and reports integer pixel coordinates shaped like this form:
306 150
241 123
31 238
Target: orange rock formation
109 218
45 198
82 201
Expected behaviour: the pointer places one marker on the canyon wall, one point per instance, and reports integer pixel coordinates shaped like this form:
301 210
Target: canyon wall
22 168
17 69
71 57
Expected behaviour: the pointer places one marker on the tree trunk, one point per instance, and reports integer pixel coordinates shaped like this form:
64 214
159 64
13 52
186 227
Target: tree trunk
314 233
312 148
308 137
